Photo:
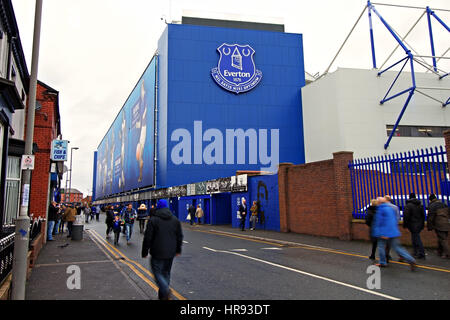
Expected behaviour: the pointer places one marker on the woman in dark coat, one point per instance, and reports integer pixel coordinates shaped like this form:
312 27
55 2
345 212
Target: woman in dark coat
109 220
369 219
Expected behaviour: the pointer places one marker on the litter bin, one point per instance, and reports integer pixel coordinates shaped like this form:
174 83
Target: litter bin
77 228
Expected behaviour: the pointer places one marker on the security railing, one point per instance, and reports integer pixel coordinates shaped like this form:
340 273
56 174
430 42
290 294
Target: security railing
6 256
398 175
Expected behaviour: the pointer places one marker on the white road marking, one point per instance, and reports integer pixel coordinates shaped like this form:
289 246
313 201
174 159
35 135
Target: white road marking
307 274
239 250
185 241
274 248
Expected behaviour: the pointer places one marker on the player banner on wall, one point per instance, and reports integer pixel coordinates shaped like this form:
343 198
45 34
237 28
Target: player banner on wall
125 158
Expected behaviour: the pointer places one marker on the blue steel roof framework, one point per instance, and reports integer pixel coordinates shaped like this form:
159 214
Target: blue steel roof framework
411 56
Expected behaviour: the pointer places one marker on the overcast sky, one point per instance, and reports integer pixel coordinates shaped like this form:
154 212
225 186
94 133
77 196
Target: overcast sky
94 51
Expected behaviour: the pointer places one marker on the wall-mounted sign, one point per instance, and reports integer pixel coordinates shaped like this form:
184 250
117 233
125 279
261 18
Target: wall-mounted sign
236 70
27 162
59 150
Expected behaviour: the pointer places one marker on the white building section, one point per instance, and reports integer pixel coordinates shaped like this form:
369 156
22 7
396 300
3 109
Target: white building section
342 112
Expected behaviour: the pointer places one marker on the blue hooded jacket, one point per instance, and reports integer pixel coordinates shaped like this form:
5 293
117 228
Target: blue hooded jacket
385 223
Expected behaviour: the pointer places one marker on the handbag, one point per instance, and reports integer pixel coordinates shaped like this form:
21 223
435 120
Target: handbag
188 217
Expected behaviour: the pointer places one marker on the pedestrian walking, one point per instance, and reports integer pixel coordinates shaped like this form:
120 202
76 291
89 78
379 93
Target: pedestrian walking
163 240
86 211
69 216
96 211
58 219
191 214
199 214
109 220
129 216
254 216
63 221
116 225
142 217
243 213
385 228
51 219
414 221
439 221
371 211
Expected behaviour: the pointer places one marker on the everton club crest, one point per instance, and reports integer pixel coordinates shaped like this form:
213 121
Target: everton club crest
236 71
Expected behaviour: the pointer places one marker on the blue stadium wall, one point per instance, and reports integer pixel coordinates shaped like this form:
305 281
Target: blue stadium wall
222 208
187 94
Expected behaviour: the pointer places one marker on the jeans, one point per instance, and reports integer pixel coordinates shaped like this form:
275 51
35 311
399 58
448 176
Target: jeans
394 244
161 270
50 226
129 230
56 228
417 244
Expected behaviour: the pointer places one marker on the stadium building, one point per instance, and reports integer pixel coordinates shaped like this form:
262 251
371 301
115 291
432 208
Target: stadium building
223 103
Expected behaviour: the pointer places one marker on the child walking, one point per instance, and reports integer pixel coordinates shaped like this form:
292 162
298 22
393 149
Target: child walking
116 228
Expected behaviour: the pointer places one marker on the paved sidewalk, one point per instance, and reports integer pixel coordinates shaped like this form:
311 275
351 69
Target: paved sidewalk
101 278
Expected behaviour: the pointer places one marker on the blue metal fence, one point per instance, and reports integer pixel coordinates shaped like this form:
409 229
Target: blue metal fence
421 172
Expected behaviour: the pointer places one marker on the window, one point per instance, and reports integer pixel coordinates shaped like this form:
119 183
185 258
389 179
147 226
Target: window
12 190
417 131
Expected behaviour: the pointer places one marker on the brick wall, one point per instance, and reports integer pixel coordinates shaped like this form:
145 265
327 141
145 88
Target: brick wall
45 130
315 198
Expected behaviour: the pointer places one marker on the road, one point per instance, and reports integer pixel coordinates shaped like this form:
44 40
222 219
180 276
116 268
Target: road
215 265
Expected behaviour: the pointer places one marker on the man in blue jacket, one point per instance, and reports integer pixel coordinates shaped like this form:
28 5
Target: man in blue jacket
385 228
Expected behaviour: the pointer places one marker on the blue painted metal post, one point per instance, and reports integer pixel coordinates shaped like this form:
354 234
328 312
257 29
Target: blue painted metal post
353 180
430 30
397 178
400 42
399 118
422 173
446 180
441 184
393 83
387 175
405 191
372 41
372 178
360 188
416 173
367 193
381 177
426 172
440 20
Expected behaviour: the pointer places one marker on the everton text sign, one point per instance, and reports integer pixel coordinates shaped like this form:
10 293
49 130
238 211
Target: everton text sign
236 71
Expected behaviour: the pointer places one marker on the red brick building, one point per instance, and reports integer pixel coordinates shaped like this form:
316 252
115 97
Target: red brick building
75 195
46 174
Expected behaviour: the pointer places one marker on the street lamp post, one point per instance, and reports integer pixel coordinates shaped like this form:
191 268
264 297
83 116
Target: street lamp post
70 179
21 238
